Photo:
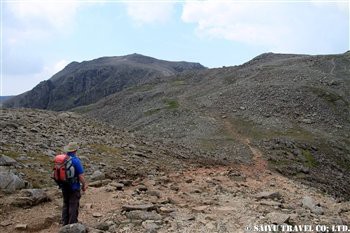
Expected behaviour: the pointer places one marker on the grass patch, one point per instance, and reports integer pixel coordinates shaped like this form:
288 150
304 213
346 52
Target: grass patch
255 131
214 144
38 178
11 154
343 163
101 148
84 109
310 160
179 82
171 104
152 111
328 96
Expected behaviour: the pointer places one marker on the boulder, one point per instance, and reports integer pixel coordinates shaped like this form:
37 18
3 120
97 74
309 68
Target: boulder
150 226
73 228
99 183
21 227
98 175
268 195
9 182
7 161
143 215
31 197
309 203
126 182
278 218
138 207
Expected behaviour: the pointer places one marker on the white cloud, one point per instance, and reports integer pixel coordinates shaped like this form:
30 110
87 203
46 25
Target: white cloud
150 12
277 26
243 22
342 5
33 20
55 14
25 82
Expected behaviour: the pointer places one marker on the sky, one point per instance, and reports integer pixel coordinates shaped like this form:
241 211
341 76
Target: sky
40 37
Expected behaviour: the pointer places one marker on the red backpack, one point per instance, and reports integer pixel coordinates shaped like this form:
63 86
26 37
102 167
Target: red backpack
63 171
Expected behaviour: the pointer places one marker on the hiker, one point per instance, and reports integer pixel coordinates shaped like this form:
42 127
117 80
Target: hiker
71 188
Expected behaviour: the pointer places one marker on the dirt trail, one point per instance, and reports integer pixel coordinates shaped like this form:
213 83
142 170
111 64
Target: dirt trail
258 167
196 200
333 66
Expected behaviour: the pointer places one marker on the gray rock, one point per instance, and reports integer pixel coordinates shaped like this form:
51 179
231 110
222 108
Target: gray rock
278 218
50 153
142 188
98 175
99 183
4 169
21 227
9 182
153 193
268 195
143 215
31 197
150 226
138 207
309 203
126 182
118 186
7 161
102 226
73 228
97 215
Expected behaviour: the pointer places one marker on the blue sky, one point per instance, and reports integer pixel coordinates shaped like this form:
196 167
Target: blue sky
40 37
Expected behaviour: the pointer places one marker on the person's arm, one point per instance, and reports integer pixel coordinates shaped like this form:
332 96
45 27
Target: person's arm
83 182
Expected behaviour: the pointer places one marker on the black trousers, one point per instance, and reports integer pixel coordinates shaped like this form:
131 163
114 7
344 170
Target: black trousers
70 209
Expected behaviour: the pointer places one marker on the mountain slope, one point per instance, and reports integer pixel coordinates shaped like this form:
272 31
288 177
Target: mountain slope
139 186
87 82
295 108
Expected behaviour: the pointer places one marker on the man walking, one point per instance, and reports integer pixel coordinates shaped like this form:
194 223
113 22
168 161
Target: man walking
71 190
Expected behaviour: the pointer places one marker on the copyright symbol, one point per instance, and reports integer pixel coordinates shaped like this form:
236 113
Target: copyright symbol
248 228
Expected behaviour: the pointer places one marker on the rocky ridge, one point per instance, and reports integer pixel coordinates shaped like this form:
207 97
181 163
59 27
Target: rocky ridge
87 82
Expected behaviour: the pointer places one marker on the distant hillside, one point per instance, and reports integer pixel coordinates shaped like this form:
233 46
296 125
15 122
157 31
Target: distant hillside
4 98
87 82
295 108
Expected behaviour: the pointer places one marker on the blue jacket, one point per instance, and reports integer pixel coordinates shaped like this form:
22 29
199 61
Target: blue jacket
78 170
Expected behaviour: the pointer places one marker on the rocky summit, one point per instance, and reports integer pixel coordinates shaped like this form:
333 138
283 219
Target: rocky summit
89 81
187 149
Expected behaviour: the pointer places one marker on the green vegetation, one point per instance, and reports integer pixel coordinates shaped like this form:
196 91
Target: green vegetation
310 160
330 97
38 178
102 148
343 162
84 109
152 111
179 82
230 79
252 130
171 103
